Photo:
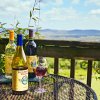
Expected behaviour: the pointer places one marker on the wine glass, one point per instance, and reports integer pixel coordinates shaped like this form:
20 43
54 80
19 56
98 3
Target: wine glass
41 71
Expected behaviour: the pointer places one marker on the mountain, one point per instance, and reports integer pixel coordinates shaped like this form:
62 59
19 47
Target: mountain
85 32
71 32
77 35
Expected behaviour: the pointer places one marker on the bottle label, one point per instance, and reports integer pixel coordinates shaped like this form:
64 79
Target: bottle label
20 80
8 62
31 63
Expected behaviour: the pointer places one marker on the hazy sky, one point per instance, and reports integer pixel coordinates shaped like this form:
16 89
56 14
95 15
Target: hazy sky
55 14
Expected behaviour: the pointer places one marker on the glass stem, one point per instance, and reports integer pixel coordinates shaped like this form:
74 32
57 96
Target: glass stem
40 82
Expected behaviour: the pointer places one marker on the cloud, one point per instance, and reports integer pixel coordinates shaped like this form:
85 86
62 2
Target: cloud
14 10
61 14
53 12
53 2
59 2
70 18
96 2
95 12
14 7
75 1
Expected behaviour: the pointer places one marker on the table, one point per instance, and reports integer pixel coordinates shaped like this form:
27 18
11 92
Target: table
57 87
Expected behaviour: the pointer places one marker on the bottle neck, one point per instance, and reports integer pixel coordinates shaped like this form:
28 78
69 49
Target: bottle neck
19 40
31 34
11 41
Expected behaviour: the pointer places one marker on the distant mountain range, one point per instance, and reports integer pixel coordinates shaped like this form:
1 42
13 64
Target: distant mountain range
76 35
71 32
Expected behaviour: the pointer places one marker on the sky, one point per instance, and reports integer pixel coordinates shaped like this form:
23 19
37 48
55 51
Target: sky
54 14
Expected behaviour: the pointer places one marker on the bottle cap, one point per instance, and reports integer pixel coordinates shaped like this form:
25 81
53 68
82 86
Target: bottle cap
19 40
11 34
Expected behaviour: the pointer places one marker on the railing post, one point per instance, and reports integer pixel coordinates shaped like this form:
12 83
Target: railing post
72 70
89 72
56 62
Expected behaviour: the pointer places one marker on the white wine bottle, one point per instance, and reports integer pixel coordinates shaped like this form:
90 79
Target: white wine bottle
9 53
19 69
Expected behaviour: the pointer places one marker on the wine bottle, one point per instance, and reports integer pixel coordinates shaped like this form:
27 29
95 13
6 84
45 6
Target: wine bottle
9 53
19 69
30 51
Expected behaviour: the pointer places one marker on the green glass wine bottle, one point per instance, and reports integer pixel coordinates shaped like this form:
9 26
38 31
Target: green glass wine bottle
19 69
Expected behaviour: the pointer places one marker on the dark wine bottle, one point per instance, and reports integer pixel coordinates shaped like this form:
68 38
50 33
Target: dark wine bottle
31 55
19 69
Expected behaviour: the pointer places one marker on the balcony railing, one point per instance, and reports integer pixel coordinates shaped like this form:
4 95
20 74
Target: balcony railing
65 49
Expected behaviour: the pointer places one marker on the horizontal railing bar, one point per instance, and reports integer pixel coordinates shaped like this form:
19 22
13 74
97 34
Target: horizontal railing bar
64 52
61 43
69 52
68 43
